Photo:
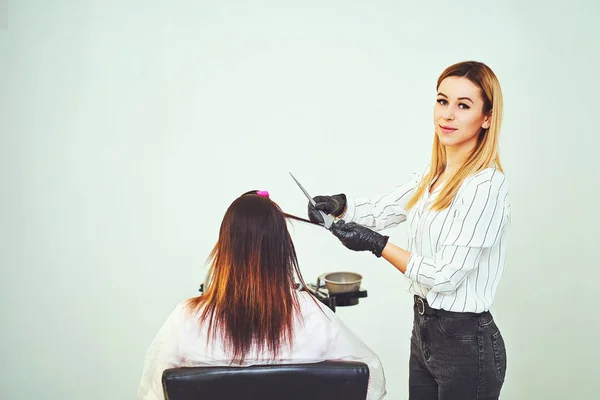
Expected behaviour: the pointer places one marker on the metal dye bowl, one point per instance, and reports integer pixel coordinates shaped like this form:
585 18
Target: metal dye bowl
341 282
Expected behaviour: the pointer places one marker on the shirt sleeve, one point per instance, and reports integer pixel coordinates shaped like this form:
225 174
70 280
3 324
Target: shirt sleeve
383 211
479 218
343 344
163 353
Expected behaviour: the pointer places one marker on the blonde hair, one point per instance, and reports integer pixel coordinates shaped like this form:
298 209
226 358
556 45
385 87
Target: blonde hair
485 153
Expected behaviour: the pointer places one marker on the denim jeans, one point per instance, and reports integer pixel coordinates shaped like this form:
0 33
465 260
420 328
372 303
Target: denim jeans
455 356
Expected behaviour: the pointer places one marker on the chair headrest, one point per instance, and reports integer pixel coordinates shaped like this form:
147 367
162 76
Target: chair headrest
326 380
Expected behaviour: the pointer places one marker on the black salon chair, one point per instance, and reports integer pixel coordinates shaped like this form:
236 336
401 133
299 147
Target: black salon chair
327 380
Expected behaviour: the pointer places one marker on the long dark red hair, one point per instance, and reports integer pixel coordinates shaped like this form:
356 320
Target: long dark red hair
250 299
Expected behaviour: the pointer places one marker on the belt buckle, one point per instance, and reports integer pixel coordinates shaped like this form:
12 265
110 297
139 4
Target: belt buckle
420 310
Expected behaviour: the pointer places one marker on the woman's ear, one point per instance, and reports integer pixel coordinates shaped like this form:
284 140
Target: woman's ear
487 121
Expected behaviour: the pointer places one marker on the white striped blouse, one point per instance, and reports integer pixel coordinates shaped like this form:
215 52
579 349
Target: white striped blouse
458 254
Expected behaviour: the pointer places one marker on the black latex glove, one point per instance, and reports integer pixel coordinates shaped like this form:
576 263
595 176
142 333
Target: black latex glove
332 205
359 238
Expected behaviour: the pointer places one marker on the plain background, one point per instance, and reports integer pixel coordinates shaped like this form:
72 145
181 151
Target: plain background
128 127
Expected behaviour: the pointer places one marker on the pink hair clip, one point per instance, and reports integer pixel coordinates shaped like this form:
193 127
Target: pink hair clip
262 193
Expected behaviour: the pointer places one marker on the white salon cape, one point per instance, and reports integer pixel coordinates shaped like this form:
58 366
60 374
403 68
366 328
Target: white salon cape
318 335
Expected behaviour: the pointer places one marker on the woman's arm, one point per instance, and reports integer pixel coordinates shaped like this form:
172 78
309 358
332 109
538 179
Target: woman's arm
477 222
396 256
382 212
443 273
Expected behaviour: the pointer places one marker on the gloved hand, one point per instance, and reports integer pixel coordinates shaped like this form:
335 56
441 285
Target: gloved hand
332 205
359 238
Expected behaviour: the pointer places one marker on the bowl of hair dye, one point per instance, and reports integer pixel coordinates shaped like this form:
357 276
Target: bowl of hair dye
341 282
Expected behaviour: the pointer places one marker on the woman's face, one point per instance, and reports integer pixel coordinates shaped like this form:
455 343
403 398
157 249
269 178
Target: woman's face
458 113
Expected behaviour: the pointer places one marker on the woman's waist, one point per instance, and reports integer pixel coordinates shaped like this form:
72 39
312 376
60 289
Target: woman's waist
423 307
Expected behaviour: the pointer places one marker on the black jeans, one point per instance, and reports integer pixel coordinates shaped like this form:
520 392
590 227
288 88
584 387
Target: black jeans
455 356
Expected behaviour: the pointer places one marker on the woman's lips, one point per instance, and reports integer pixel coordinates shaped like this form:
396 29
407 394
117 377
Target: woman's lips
447 129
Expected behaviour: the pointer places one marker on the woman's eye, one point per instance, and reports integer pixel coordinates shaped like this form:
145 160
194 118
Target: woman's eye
463 106
442 102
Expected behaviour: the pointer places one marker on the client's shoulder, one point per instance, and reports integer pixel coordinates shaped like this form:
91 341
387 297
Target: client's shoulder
310 305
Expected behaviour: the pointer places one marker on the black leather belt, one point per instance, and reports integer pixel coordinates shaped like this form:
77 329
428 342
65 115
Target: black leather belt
423 308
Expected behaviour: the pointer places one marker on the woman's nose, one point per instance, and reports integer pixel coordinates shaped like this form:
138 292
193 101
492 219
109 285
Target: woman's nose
448 113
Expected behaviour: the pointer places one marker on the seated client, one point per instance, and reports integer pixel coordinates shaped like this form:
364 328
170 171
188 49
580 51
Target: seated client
252 310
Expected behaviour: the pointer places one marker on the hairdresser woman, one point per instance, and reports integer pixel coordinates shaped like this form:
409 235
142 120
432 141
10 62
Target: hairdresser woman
458 213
